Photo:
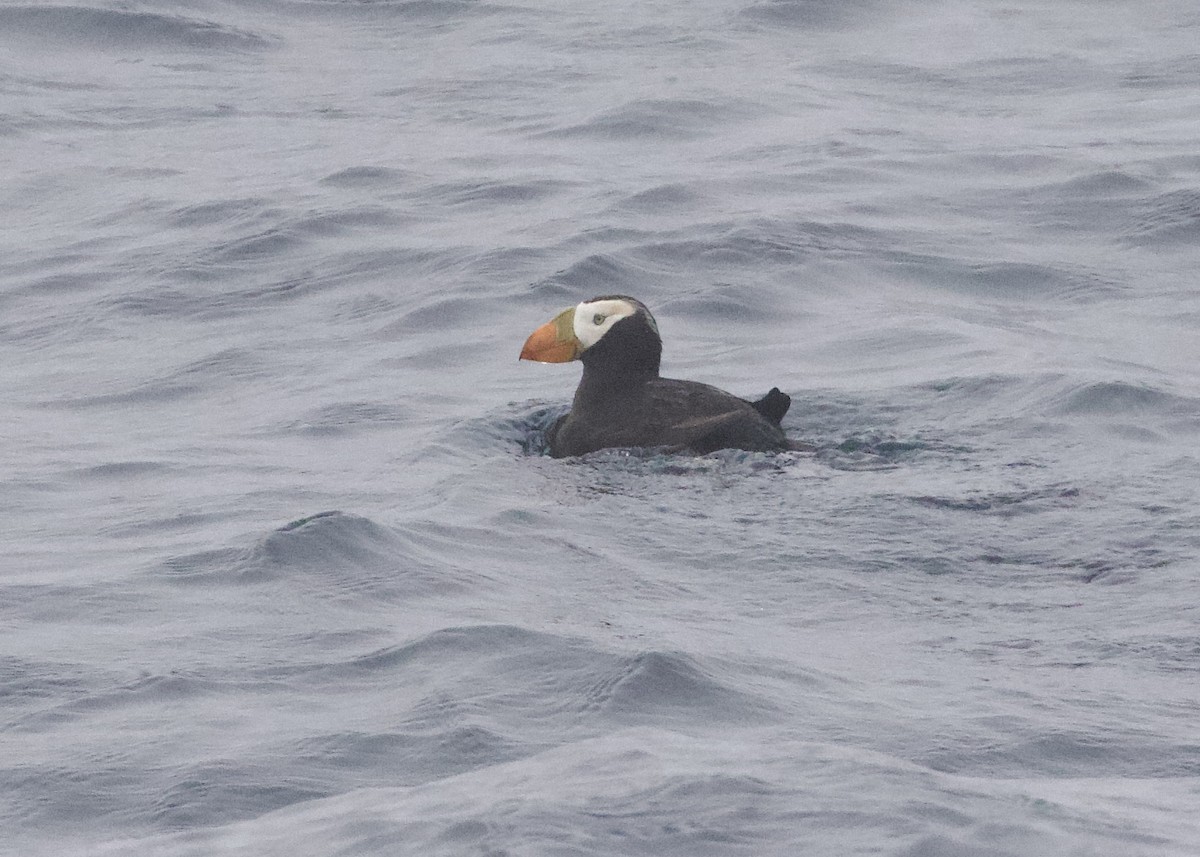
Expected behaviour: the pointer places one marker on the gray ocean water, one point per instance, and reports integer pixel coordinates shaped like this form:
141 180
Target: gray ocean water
286 571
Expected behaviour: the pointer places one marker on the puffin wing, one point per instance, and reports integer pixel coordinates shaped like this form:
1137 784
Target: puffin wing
732 430
705 419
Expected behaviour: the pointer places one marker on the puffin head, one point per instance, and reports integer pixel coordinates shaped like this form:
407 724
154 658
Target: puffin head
615 331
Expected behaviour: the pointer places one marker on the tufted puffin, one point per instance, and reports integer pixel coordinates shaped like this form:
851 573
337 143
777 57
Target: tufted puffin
622 401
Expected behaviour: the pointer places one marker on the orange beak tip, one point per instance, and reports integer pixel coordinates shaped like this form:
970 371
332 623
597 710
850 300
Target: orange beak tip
543 346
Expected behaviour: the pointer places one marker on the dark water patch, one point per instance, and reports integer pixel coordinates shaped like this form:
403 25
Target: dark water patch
172 522
267 232
63 284
223 791
475 194
78 256
158 301
158 392
1094 570
158 689
1120 565
519 429
974 387
220 565
224 211
1028 405
124 470
1120 398
652 685
188 67
597 274
1105 751
508 264
1006 503
407 757
916 83
450 315
726 303
384 266
650 119
326 271
88 794
877 451
1020 76
1149 437
610 235
383 178
48 604
1169 219
468 642
316 539
1156 79
634 794
1000 281
832 416
991 841
23 680
417 11
1099 185
870 432
272 243
112 697
816 15
344 418
1175 655
745 251
191 379
522 677
530 433
210 297
550 292
749 246
17 84
342 221
1177 163
1102 201
855 460
662 199
364 307
118 29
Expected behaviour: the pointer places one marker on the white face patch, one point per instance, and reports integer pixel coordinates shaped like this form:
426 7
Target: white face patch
594 318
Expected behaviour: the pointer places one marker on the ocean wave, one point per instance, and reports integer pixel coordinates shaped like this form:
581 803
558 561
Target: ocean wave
1124 398
119 29
816 15
334 555
527 680
1168 219
674 119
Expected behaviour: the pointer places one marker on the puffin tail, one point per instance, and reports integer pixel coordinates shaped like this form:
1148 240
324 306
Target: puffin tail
773 405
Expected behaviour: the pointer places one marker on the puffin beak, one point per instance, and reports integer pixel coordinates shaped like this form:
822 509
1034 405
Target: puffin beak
554 341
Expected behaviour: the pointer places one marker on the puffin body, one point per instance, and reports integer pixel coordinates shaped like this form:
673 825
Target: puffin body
621 400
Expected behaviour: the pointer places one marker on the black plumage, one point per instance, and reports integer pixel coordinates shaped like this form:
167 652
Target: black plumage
622 401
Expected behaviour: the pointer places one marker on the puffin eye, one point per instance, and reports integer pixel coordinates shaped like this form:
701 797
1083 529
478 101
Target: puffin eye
597 319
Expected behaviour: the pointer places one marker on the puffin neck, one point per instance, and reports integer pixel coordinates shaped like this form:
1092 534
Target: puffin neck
620 378
629 353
